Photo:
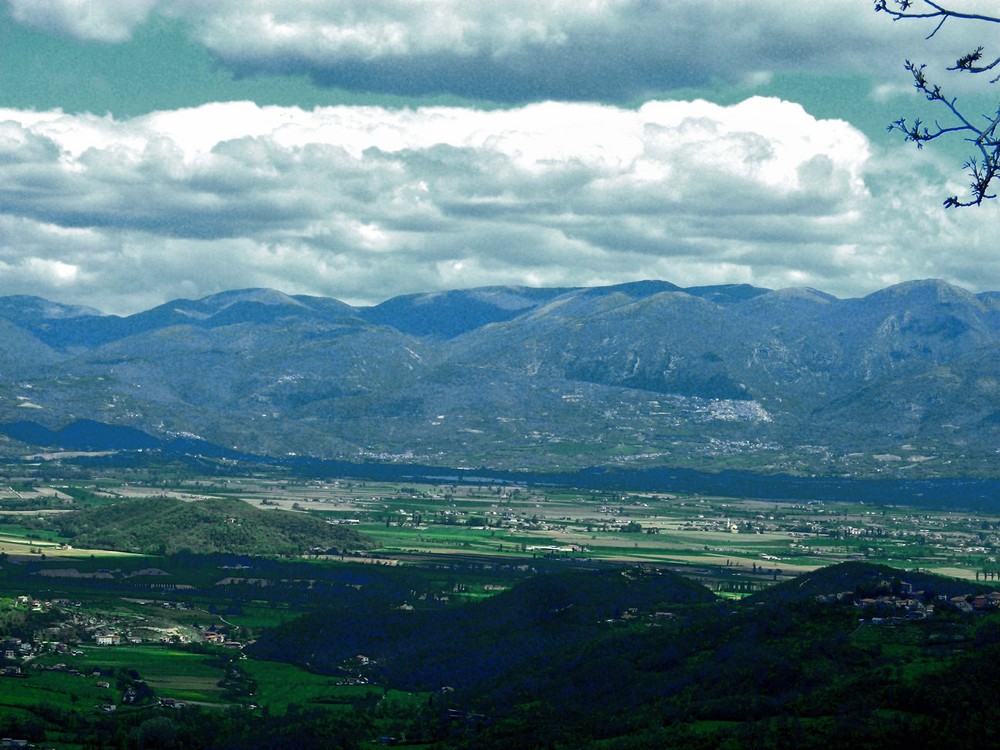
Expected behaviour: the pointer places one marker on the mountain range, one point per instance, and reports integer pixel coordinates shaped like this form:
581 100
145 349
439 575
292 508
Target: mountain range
902 382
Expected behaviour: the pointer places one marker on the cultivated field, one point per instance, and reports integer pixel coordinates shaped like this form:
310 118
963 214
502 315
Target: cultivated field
755 541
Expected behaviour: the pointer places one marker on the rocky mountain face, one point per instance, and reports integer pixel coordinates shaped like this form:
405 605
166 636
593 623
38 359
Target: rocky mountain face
905 381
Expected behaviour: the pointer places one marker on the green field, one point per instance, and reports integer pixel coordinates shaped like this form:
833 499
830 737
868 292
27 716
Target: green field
61 689
282 685
171 672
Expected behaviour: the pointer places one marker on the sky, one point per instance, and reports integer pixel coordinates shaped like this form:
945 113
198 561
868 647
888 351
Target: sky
160 149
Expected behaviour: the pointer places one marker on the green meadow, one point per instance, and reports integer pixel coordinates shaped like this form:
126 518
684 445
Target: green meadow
171 672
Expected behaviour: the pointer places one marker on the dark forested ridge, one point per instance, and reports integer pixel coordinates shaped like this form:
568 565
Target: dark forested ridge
635 659
425 649
900 383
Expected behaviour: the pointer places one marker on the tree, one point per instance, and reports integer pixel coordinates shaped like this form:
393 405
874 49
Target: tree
980 130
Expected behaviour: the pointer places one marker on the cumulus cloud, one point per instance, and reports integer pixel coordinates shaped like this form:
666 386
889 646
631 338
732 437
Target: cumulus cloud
366 202
363 203
505 50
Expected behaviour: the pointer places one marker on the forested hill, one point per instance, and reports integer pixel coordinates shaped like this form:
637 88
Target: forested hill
627 659
163 525
424 648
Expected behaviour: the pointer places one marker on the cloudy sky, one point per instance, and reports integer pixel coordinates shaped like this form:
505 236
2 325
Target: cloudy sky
156 149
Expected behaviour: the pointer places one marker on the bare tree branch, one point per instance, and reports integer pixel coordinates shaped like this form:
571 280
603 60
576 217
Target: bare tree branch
983 168
900 9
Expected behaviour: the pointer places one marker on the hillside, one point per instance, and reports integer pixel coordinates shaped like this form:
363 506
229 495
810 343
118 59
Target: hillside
902 383
505 633
560 661
163 525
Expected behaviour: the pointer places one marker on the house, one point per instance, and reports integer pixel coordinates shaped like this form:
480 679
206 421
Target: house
109 639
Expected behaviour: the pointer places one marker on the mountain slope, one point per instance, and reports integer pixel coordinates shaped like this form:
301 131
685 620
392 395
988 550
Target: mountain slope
444 315
902 380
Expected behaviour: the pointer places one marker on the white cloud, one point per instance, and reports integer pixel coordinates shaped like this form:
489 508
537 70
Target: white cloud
365 202
53 272
885 92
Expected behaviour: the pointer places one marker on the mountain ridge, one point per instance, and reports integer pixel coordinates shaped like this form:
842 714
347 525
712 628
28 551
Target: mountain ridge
899 382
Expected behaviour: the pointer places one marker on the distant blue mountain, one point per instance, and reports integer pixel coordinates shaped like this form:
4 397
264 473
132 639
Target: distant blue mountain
902 382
